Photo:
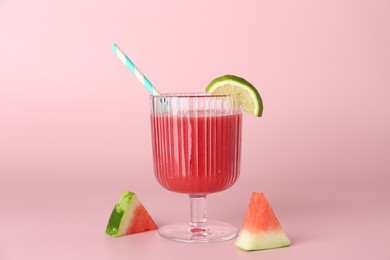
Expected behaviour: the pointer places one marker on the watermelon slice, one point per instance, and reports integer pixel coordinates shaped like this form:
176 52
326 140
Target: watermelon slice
261 229
129 216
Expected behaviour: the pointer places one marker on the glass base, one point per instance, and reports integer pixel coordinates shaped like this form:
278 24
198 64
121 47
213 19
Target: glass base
214 231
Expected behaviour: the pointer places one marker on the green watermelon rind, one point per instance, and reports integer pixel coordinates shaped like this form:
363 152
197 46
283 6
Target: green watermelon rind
262 241
122 214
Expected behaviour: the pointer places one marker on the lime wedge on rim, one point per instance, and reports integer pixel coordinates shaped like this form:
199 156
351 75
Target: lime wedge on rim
242 91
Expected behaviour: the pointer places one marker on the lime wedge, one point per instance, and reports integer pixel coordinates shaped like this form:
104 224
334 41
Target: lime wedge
242 91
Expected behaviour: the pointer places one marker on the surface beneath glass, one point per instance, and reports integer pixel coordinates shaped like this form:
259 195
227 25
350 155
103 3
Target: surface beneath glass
64 221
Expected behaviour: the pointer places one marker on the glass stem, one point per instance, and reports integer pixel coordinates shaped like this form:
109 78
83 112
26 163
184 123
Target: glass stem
198 213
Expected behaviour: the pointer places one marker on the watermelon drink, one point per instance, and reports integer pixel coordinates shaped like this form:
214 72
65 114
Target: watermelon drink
190 159
196 141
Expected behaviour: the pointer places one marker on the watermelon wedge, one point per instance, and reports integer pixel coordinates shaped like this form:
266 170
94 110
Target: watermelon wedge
129 216
261 228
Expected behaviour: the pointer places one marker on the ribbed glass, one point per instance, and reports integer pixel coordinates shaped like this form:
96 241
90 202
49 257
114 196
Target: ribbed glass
196 141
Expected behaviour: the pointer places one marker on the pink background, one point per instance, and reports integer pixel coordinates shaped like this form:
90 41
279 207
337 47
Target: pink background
74 125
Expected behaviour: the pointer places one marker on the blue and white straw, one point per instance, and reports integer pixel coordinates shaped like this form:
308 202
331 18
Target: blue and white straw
137 73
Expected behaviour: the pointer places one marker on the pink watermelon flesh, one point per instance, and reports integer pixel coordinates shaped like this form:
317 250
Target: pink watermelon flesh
141 221
261 228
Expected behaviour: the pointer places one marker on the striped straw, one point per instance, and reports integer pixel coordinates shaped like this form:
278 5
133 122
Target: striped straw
137 73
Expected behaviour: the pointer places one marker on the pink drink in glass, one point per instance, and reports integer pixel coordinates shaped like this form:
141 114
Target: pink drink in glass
196 154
